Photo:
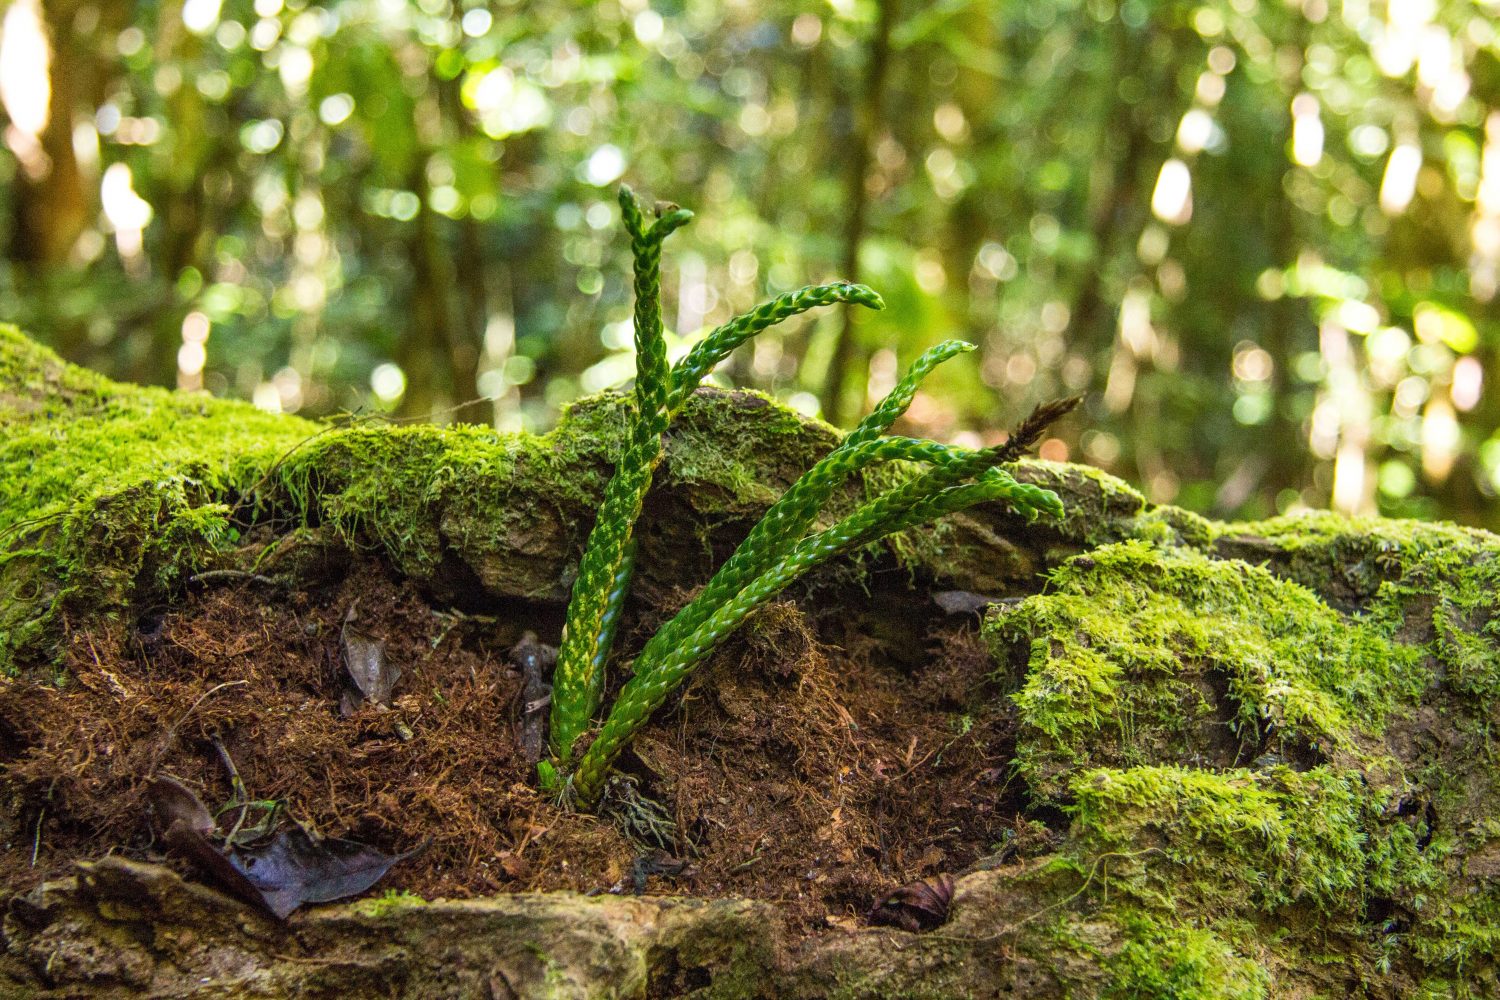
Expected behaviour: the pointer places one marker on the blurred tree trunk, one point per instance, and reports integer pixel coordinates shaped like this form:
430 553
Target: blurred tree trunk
868 114
422 351
1116 205
441 348
52 206
53 201
467 347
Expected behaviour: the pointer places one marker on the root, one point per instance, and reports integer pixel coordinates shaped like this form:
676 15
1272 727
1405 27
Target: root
645 822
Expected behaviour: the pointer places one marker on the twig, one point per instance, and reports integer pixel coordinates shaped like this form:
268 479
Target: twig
216 575
236 784
171 733
36 841
1087 881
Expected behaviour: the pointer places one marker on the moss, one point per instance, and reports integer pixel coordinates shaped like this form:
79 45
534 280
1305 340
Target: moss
110 486
989 549
1161 960
115 494
1368 564
1240 838
1229 744
417 494
80 435
391 903
1100 508
1144 655
455 506
1174 526
1318 856
743 447
1459 933
1190 883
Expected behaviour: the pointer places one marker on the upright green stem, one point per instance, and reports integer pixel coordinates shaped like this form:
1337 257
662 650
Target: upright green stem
605 571
578 679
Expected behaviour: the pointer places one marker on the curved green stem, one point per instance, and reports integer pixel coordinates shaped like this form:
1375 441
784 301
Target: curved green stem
655 680
789 517
578 678
721 342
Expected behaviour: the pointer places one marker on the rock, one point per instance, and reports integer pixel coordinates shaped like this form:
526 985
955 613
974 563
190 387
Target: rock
124 929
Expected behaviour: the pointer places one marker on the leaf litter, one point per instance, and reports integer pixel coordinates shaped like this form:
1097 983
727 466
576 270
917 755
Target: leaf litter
816 761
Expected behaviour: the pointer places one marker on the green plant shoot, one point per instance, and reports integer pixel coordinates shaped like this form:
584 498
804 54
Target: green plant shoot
604 573
779 549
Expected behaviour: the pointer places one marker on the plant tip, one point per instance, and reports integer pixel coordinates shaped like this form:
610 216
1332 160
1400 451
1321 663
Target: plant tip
866 296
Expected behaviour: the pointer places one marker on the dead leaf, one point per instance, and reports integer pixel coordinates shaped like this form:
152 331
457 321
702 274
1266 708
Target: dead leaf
916 906
368 675
175 803
290 869
515 867
656 862
294 868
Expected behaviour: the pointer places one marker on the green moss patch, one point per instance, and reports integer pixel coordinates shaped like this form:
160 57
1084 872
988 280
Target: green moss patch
1299 755
107 486
1440 582
114 494
1163 959
1236 839
1141 655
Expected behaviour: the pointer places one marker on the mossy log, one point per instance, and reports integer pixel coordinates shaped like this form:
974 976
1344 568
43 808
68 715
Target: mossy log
1265 754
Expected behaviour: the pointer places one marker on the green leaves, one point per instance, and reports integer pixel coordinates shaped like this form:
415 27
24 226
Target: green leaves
604 573
717 345
780 548
605 570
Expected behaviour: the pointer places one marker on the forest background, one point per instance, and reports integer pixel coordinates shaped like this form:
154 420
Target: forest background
1263 236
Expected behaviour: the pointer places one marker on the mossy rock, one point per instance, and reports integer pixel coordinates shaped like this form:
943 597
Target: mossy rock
1263 754
114 495
1296 757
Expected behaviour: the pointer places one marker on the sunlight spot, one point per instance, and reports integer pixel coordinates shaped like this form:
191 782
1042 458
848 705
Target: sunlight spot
1307 131
388 382
1172 200
1399 185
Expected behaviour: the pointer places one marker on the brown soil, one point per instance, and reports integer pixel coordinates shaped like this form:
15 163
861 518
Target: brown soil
808 763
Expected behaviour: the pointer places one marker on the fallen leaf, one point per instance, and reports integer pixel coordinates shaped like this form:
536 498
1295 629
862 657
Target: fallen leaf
368 675
656 862
175 803
290 869
916 906
295 868
182 813
514 866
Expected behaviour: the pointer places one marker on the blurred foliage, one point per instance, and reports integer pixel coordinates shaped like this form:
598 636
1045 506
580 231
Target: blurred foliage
1263 235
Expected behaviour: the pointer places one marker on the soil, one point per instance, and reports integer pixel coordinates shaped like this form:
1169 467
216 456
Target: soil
816 761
